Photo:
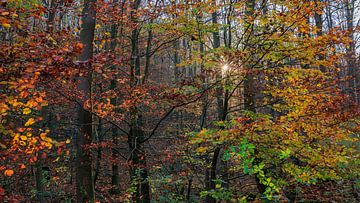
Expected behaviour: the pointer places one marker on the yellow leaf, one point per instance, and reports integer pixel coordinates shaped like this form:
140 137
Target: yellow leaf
43 136
201 150
26 111
30 122
48 145
49 140
6 25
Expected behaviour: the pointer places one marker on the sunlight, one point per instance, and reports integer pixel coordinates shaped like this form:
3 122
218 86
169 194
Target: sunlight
224 68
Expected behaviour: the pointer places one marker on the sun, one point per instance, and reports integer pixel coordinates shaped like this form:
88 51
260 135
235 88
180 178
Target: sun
225 68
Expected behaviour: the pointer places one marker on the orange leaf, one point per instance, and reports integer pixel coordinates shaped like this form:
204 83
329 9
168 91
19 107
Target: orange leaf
79 45
9 172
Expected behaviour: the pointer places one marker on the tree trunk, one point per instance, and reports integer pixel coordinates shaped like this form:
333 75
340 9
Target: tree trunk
353 70
99 139
138 167
221 111
249 81
115 179
319 26
84 175
39 179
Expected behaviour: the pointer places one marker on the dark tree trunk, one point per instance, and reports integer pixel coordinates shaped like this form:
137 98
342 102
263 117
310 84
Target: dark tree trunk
115 179
138 167
51 13
221 111
353 69
99 139
319 26
84 174
39 178
250 89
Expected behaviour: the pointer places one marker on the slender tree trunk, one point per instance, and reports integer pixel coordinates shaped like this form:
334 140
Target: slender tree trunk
249 99
221 110
84 174
138 167
249 81
203 74
176 61
319 26
51 13
39 179
115 179
329 18
353 70
148 54
99 139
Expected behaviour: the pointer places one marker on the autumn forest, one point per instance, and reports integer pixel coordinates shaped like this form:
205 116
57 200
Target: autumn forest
208 101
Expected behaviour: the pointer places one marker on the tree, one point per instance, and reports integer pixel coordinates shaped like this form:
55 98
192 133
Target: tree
84 175
178 101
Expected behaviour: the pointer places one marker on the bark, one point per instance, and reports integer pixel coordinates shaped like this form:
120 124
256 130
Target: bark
84 174
188 191
39 179
99 138
138 167
249 90
148 54
329 18
176 61
203 75
249 81
353 70
319 26
52 13
221 110
54 4
115 179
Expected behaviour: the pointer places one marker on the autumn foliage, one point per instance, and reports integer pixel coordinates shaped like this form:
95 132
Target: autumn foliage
179 101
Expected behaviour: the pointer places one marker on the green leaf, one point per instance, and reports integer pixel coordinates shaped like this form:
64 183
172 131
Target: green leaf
285 154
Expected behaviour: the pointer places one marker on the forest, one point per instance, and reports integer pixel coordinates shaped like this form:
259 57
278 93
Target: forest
147 101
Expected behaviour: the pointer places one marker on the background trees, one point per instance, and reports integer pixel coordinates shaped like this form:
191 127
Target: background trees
177 101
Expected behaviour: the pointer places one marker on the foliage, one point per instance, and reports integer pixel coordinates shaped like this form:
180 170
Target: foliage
178 101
